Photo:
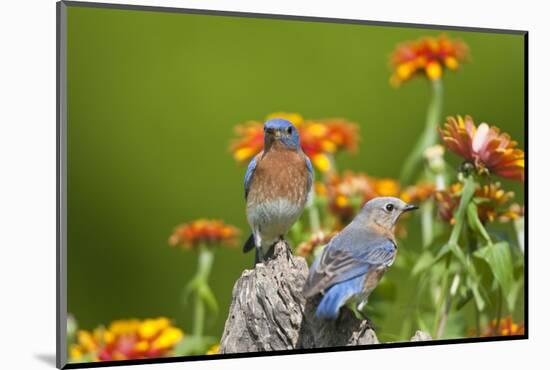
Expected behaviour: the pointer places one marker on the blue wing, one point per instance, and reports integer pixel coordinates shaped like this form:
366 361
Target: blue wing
348 255
309 173
336 296
248 176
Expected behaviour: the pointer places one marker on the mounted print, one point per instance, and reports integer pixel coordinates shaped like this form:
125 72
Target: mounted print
234 184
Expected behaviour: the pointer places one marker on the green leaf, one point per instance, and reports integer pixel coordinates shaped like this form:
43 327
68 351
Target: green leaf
480 303
194 345
499 259
466 196
190 287
428 136
206 294
475 223
421 322
458 253
446 248
425 260
512 296
464 300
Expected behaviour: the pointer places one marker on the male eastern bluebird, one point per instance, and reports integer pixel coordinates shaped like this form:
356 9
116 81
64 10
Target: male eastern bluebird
276 186
353 262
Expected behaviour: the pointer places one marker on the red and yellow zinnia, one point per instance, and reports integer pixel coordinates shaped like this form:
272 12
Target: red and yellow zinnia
320 139
204 232
485 147
428 56
126 340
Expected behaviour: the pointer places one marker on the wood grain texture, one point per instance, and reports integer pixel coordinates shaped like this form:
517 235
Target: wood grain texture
268 311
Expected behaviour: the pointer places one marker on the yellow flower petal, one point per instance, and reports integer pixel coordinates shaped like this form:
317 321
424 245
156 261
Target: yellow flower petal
342 201
242 154
108 337
404 71
167 339
434 71
451 63
75 352
86 340
387 187
317 129
141 346
395 81
119 327
215 349
328 146
148 329
320 188
295 118
322 162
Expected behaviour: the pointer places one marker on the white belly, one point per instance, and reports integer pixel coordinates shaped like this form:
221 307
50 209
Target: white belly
273 219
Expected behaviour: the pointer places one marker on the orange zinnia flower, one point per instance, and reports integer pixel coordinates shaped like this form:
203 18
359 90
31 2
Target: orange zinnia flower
214 349
492 203
126 340
447 201
418 193
347 193
485 147
319 139
506 327
204 232
250 141
305 249
428 55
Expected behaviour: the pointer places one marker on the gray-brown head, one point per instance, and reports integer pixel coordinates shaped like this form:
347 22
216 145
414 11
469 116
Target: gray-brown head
384 211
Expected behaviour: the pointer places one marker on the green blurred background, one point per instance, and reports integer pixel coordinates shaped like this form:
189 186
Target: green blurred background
152 102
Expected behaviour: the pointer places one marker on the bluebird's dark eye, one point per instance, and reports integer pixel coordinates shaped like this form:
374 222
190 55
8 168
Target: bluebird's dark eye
289 130
389 207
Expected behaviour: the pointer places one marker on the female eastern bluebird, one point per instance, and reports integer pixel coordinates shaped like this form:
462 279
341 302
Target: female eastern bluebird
276 186
353 262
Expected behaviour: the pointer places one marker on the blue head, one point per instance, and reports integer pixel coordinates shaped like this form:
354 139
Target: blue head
281 130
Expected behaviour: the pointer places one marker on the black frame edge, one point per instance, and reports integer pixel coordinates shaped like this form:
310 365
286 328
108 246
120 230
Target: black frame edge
164 360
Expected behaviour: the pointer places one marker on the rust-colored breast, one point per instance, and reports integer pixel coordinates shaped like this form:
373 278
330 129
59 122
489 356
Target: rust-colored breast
372 278
279 173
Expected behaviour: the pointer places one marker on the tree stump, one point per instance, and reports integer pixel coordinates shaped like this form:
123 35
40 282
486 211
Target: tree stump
268 311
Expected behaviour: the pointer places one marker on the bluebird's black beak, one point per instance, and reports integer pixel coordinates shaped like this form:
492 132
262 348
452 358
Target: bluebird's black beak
410 207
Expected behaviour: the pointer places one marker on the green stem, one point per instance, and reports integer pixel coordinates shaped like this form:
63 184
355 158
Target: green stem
442 298
429 136
198 324
426 213
205 261
520 233
499 308
447 307
314 219
478 324
466 196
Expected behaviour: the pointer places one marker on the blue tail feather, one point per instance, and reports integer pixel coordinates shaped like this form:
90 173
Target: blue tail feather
337 296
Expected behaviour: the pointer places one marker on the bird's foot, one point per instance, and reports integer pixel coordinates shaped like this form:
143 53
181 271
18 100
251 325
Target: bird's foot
259 256
288 249
359 313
